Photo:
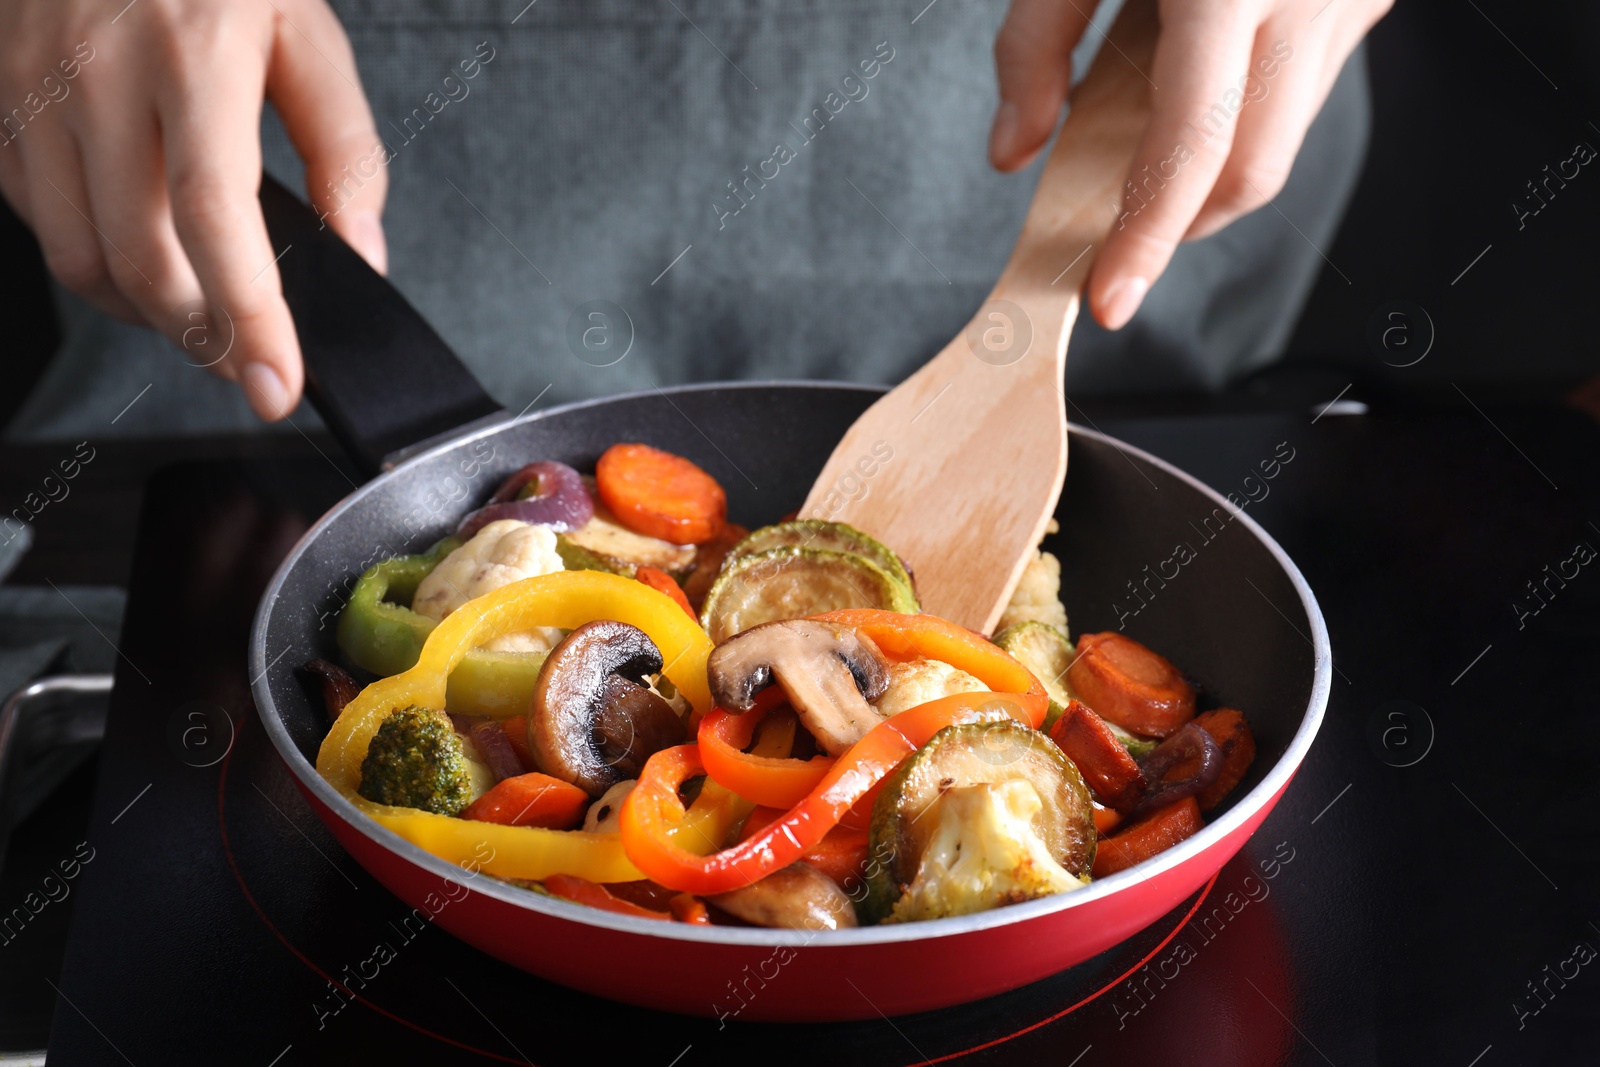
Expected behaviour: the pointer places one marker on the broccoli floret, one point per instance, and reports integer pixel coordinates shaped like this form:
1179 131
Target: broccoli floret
982 854
416 760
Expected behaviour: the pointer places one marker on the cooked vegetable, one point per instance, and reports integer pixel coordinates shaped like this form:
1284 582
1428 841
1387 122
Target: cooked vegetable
1107 766
531 799
500 553
416 760
545 494
1156 832
1126 683
662 582
1229 730
1037 597
841 854
832 536
653 814
659 494
798 897
338 687
495 749
912 637
983 852
918 681
382 635
604 544
792 583
1181 766
1044 650
595 895
594 720
516 731
829 673
773 781
1138 747
604 815
708 558
568 600
689 909
984 857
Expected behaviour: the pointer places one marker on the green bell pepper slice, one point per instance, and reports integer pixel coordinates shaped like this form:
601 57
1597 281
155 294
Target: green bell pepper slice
379 633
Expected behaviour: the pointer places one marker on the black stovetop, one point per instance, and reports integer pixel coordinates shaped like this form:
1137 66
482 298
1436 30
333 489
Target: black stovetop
1426 892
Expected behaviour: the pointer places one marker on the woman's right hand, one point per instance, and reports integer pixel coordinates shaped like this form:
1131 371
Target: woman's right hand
131 145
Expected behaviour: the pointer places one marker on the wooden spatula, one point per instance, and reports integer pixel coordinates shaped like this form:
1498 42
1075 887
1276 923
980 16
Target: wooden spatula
960 466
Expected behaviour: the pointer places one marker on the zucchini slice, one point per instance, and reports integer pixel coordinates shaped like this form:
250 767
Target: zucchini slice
830 536
792 583
976 754
1046 652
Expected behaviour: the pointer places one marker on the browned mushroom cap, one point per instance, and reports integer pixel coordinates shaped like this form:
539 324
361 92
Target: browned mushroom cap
797 897
594 722
829 673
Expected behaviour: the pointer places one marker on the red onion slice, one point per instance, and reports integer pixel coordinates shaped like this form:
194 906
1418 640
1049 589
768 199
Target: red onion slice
495 748
560 500
1193 751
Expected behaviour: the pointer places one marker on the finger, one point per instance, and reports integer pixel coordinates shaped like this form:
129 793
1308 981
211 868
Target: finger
312 81
210 122
59 198
1199 59
14 178
1284 89
1033 60
126 196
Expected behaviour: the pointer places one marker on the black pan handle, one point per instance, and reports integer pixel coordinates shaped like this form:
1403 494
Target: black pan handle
376 372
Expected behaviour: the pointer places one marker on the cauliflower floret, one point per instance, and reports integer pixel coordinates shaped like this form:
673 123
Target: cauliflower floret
983 853
502 552
921 680
1038 595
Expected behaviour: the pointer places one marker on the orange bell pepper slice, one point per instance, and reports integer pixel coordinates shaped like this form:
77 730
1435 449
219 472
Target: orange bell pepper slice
654 808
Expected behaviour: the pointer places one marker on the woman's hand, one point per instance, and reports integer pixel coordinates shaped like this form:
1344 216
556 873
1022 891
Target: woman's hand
131 145
1239 81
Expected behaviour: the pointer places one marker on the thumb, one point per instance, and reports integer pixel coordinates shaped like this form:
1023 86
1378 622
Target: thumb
312 81
1033 60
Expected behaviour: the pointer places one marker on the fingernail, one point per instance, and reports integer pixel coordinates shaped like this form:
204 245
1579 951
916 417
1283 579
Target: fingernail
368 239
265 391
1003 136
1123 300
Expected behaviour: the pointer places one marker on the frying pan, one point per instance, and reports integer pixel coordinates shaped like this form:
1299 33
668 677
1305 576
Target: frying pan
1237 617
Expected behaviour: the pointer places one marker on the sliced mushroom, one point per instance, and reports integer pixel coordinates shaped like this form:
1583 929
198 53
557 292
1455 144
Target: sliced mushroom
594 721
605 815
798 897
829 673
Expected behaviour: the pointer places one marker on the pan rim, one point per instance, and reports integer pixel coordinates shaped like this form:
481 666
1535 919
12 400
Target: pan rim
1243 809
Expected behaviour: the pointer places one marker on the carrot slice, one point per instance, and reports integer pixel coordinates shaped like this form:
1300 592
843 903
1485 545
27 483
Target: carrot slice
659 494
1126 683
662 582
531 799
583 891
1106 765
1231 732
516 729
1154 833
1106 819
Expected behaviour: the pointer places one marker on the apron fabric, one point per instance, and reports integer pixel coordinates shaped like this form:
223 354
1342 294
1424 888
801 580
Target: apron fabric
761 190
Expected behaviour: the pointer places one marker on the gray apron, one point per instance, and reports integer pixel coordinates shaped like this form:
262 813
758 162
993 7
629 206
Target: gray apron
635 193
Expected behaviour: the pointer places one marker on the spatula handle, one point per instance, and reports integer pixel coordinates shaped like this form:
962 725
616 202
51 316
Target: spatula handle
1080 192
